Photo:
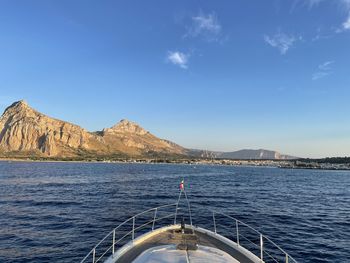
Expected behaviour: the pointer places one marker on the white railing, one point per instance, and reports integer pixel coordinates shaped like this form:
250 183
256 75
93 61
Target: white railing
267 250
265 246
107 246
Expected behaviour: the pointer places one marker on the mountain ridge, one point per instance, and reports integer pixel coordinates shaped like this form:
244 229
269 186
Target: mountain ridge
25 131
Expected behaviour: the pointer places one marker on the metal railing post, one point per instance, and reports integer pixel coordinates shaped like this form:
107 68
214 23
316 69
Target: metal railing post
237 232
189 207
113 241
177 206
175 214
93 255
133 228
154 218
214 222
261 248
286 258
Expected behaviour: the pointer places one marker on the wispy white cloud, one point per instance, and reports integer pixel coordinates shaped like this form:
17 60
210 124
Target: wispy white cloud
343 4
323 34
346 24
206 26
281 41
302 3
346 3
324 70
313 3
319 75
326 65
208 23
178 58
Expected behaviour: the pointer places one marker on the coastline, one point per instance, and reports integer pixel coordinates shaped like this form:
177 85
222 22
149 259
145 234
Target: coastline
282 164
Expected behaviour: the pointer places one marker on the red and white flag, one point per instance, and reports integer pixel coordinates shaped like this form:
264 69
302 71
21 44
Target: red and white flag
182 185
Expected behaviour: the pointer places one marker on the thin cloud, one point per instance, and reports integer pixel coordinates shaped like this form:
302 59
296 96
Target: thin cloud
302 3
326 65
344 5
281 41
320 75
324 70
313 3
178 58
206 26
322 35
346 24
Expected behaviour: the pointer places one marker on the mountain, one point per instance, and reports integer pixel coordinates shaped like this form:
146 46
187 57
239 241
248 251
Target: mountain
246 154
25 131
260 154
130 138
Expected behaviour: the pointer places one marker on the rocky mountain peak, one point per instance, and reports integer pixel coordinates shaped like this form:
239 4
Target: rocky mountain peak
126 126
18 106
22 102
23 129
27 132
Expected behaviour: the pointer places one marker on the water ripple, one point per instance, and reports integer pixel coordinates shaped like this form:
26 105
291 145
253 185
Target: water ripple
58 211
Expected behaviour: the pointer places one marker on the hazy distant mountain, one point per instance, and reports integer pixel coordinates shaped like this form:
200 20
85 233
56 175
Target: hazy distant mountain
255 154
27 132
203 153
246 154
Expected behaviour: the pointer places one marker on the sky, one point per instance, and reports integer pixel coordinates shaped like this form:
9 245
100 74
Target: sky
215 75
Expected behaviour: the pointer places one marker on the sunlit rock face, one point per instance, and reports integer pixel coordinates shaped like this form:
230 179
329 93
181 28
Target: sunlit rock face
125 126
25 130
131 135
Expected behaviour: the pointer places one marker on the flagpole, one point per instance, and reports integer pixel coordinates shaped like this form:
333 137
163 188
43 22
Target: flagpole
177 206
189 207
182 189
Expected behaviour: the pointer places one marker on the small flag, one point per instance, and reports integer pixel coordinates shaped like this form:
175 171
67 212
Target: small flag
182 185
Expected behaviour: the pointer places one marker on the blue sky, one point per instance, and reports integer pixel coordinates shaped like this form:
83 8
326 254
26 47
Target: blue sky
216 75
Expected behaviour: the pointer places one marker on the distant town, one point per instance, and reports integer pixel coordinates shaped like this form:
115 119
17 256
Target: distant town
339 163
287 164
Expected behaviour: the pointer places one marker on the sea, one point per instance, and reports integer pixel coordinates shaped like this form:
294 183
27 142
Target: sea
57 212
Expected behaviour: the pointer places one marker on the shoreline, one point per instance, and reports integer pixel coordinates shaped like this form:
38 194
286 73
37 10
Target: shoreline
282 164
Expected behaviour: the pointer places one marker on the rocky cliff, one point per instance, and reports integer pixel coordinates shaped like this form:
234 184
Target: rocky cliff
130 137
26 131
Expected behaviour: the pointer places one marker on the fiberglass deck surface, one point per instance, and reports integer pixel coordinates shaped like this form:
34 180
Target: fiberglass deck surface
175 237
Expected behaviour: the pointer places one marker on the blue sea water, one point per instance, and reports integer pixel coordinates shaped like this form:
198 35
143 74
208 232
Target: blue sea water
56 212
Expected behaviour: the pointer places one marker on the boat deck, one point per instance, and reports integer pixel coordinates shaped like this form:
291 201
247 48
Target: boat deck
187 241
